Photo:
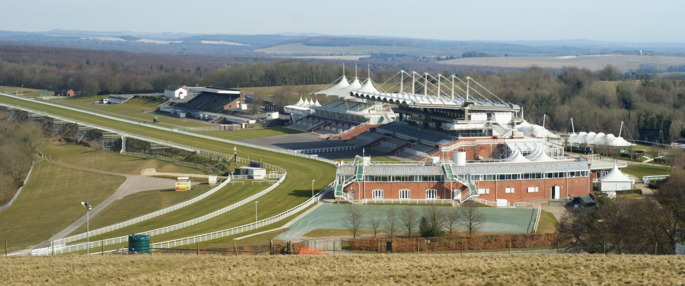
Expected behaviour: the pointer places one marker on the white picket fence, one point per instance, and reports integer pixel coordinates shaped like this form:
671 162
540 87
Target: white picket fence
243 228
60 249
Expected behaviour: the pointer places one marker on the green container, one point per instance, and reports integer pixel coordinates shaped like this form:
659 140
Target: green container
139 244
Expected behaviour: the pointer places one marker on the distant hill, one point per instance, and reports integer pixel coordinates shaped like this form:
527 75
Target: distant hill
591 62
373 48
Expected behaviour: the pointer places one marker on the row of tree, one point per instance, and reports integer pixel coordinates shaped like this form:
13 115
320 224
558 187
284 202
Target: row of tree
651 106
645 226
432 222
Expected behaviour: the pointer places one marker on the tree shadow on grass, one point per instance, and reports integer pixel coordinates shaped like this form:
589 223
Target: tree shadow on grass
301 193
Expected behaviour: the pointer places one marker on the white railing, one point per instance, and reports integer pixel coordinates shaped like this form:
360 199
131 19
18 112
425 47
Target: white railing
243 228
482 201
648 179
538 211
139 219
407 201
60 249
460 144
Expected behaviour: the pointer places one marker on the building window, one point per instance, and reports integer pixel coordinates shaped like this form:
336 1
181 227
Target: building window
377 194
509 190
483 191
405 194
532 189
431 194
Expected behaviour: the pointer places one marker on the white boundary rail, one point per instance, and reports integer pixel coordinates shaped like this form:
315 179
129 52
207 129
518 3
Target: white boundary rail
60 249
176 130
139 219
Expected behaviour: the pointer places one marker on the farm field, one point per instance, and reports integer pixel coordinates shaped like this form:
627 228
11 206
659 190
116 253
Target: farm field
591 62
366 269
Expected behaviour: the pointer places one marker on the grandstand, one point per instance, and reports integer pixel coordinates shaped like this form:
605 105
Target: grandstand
216 102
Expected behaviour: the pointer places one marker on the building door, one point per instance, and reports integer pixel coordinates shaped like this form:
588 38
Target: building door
556 192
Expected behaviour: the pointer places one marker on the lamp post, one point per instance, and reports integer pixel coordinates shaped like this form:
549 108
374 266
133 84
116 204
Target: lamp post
313 188
256 203
88 208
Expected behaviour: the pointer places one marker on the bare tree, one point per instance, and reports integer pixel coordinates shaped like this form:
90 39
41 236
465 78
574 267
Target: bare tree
471 218
390 222
432 222
452 216
353 219
375 221
409 218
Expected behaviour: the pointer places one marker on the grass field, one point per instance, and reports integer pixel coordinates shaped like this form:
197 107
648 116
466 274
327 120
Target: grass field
360 269
28 92
50 202
295 189
131 109
640 170
51 199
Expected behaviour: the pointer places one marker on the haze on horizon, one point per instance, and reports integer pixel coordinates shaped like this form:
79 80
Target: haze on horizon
488 20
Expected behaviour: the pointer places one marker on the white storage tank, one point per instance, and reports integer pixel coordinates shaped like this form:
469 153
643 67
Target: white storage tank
459 158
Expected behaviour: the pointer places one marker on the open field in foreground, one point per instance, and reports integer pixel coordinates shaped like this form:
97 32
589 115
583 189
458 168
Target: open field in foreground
405 269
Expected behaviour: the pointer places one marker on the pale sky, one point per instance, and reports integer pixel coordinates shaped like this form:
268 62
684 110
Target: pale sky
503 20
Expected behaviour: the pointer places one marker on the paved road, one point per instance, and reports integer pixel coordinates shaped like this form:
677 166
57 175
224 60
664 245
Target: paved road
133 184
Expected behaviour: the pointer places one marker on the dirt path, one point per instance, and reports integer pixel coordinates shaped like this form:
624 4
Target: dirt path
133 184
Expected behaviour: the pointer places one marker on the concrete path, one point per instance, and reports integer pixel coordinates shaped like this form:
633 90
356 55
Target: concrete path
133 184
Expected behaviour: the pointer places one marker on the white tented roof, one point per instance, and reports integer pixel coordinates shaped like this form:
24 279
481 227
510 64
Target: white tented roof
533 130
516 157
339 89
600 138
368 87
539 155
615 175
354 85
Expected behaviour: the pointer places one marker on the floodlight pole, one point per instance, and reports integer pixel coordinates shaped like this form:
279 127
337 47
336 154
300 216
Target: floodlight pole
256 203
88 208
313 188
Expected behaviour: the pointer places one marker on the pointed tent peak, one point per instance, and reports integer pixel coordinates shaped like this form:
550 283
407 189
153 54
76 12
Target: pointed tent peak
368 87
317 103
337 89
300 102
354 85
615 175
